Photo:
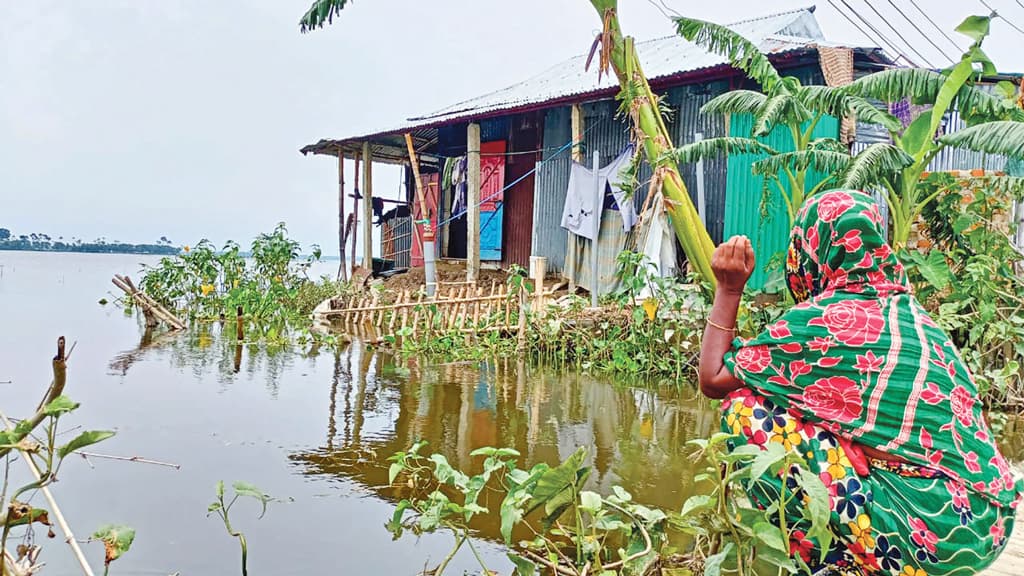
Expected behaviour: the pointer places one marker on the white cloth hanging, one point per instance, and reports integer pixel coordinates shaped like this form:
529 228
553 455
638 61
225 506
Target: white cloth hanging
582 211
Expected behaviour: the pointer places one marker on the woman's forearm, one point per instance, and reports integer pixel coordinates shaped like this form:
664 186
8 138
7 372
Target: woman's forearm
715 379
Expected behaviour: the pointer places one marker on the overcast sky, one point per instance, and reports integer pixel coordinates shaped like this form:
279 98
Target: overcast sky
136 119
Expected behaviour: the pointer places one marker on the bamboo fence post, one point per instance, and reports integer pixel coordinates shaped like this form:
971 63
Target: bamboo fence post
521 336
394 312
416 314
405 310
508 307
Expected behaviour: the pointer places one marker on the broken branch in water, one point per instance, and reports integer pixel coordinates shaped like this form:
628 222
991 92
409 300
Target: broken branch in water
55 390
69 536
87 455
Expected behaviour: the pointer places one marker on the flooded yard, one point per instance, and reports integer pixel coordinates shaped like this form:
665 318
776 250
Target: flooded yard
312 428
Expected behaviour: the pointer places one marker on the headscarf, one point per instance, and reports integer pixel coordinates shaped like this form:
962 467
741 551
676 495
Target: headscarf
859 355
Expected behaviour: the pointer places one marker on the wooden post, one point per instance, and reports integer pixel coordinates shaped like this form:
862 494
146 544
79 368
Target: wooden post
367 206
473 203
538 270
342 271
355 209
577 133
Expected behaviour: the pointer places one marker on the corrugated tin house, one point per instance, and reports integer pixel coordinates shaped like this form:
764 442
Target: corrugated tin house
528 143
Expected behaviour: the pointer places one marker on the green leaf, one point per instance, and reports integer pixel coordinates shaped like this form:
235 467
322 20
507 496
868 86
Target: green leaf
713 563
1006 89
876 163
716 147
949 90
975 27
735 102
60 405
250 490
770 536
1004 138
935 269
393 471
780 559
590 501
84 439
698 503
556 486
768 458
497 452
784 109
817 508
219 489
740 52
917 136
116 540
620 496
523 566
213 507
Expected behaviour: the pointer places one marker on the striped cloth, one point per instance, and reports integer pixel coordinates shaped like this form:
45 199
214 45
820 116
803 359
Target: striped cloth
611 242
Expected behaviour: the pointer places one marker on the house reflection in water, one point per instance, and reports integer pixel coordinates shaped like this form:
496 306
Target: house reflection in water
636 435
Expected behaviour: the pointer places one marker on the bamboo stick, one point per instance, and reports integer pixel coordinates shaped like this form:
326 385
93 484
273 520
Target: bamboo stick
405 311
146 302
394 312
373 314
501 295
508 307
416 314
160 307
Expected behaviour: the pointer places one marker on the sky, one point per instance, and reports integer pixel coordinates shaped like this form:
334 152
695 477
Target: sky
136 119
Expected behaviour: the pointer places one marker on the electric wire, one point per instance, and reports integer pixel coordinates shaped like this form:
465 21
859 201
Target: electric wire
878 42
921 32
937 27
897 33
996 14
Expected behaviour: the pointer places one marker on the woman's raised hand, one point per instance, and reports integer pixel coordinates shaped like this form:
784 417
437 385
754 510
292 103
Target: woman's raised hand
733 263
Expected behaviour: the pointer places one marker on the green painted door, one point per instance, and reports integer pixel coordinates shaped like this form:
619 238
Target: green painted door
749 210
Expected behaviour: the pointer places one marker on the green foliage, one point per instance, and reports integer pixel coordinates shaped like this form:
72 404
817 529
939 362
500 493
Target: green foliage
578 531
969 282
222 508
321 13
272 286
733 536
36 437
116 540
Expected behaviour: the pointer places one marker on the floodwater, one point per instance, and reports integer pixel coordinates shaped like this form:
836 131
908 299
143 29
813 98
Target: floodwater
312 429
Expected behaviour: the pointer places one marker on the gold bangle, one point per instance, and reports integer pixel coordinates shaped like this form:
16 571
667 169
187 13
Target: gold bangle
720 327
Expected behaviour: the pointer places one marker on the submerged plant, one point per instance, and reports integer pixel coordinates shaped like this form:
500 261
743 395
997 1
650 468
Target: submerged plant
221 508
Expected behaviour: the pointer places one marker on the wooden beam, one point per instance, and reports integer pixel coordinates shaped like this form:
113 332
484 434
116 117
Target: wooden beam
355 212
342 271
577 133
367 206
473 203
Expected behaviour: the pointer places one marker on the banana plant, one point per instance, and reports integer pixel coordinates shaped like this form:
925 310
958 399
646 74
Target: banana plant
618 53
995 123
785 103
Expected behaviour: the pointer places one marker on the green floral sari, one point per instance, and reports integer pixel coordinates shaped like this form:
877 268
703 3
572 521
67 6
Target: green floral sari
859 360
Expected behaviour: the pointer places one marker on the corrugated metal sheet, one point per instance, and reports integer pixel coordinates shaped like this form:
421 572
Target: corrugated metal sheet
685 124
524 136
550 183
665 59
661 57
769 228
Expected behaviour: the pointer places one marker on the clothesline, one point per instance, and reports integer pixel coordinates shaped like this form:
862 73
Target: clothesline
557 153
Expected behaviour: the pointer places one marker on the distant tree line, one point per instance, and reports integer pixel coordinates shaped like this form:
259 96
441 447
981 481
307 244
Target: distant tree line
45 243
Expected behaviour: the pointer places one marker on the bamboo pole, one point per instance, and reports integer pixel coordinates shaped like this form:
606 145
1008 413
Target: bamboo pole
355 211
367 206
619 52
416 314
429 252
342 269
146 302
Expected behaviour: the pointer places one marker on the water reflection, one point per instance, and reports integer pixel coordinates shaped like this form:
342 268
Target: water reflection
378 406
